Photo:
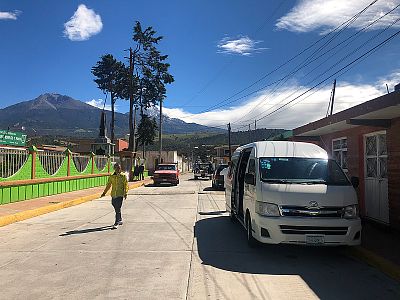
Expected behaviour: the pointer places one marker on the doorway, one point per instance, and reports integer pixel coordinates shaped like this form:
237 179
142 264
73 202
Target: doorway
376 182
240 174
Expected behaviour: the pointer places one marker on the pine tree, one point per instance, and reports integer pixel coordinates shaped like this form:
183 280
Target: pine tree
108 72
149 71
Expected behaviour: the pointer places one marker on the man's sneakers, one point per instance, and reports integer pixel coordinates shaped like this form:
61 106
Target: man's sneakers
116 224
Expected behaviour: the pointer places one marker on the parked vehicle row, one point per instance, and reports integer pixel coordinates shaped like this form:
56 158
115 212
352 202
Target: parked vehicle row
203 170
291 192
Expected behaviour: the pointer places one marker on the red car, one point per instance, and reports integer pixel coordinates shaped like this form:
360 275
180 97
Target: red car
166 173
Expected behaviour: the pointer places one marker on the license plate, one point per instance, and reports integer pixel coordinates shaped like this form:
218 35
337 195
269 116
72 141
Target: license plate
315 240
164 179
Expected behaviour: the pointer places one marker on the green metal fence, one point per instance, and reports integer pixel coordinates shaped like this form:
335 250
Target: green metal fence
31 173
27 174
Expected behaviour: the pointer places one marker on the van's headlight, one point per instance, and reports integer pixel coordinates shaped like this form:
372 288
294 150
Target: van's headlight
267 209
351 212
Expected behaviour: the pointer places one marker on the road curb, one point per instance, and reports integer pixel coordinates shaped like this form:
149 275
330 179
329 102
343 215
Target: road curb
28 214
389 268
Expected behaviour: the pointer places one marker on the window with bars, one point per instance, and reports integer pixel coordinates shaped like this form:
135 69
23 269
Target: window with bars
339 151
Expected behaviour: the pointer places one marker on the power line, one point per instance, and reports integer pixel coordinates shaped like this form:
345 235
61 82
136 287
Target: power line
329 77
319 75
351 20
319 65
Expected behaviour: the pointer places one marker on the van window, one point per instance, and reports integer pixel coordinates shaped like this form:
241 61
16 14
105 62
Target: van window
252 166
302 170
232 166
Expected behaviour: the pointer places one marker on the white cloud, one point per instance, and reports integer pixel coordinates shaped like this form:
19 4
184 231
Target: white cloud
7 15
99 104
83 24
242 45
310 15
311 108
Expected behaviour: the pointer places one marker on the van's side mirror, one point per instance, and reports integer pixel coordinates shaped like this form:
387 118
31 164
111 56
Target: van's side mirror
355 181
250 179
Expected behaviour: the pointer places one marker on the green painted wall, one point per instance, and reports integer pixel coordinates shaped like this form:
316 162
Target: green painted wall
30 191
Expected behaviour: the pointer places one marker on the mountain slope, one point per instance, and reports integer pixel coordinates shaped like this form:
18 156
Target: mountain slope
54 114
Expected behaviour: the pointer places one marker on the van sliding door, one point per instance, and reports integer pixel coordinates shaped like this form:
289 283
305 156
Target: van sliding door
239 182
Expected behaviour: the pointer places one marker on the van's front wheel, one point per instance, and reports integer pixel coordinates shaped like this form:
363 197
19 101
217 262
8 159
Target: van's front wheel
251 241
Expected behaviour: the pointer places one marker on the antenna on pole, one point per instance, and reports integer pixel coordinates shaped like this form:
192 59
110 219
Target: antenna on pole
329 111
333 96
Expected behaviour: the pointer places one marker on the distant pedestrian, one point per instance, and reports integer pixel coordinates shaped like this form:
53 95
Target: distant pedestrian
119 192
141 172
136 173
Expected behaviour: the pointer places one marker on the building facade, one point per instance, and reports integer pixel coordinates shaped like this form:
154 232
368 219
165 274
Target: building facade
365 141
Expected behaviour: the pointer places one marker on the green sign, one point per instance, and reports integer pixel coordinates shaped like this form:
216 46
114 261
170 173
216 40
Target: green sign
12 138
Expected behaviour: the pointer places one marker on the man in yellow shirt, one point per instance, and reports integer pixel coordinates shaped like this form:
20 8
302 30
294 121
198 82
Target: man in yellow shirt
119 192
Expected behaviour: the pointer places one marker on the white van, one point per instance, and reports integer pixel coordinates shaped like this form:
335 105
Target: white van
291 192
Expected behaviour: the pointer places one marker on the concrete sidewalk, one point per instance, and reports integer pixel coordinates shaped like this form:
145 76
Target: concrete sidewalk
18 211
380 248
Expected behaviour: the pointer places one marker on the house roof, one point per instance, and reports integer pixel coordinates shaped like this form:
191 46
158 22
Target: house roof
377 112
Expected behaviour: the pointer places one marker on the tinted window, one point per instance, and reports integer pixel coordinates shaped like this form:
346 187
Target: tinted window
302 170
252 166
166 167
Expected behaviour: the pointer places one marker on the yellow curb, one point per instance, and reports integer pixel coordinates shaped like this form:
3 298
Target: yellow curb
6 220
389 268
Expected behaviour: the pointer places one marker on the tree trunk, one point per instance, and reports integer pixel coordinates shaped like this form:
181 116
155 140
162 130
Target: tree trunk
131 128
112 118
131 145
135 144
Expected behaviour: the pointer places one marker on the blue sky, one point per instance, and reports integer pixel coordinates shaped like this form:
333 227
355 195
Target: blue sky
215 48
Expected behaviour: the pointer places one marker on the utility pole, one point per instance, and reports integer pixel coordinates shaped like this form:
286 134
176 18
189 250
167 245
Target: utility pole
160 133
131 146
249 134
255 130
333 96
134 130
229 141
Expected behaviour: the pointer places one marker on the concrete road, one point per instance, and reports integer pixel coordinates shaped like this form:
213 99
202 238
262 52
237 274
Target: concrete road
176 243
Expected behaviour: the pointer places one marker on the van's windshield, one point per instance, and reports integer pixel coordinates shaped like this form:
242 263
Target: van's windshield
302 171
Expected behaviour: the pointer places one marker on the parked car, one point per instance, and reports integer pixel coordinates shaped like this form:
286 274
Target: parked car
291 192
203 170
166 173
218 178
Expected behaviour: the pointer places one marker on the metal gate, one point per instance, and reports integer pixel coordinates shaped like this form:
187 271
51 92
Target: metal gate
376 182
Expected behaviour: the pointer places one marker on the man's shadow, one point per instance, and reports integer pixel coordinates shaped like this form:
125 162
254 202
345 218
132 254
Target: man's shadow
88 230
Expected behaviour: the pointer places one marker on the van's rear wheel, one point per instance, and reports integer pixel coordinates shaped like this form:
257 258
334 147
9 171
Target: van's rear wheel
251 241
